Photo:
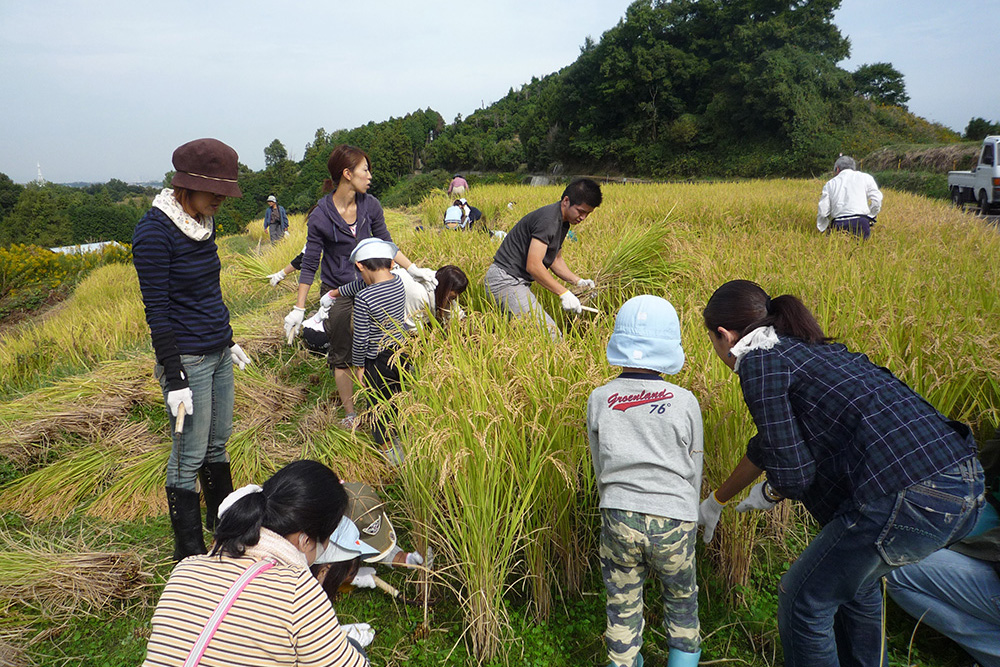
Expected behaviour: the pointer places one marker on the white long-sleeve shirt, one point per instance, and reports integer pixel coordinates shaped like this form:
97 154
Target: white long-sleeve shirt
848 193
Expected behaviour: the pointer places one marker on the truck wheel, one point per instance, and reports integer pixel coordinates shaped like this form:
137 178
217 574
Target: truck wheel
984 203
956 197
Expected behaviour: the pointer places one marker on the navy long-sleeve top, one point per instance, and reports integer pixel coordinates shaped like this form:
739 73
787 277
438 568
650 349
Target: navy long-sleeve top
179 280
835 430
330 235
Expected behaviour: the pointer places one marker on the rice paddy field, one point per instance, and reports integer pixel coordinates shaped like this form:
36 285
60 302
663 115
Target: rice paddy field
497 479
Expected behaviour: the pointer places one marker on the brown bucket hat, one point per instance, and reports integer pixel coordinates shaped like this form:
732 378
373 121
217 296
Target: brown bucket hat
207 165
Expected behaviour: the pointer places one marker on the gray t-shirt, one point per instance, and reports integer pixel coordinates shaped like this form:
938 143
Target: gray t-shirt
545 224
647 445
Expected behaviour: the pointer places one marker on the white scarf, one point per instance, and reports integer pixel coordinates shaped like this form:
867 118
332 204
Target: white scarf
198 231
761 338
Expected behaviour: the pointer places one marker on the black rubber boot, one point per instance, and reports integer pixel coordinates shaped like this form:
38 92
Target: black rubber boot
216 484
185 517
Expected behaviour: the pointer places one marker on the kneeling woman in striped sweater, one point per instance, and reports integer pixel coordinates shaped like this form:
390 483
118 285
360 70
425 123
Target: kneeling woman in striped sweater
279 614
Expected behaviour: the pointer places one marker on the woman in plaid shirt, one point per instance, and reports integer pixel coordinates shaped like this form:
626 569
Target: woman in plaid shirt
889 478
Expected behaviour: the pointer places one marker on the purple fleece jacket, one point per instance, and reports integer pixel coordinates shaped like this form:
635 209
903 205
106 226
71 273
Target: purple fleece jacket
330 235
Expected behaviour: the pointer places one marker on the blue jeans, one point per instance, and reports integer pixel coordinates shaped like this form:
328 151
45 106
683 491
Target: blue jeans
829 603
210 423
956 595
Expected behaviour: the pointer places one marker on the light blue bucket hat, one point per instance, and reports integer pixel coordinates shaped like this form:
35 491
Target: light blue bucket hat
647 335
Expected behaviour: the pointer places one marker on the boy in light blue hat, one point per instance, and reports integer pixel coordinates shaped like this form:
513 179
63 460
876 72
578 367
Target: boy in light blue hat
646 443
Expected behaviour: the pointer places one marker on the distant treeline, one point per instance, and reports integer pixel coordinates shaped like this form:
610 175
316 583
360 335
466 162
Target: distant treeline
686 88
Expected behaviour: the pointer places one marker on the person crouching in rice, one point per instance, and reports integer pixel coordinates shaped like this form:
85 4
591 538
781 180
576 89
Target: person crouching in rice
379 315
646 442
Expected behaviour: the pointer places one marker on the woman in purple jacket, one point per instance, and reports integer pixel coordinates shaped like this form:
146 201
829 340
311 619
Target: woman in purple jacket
339 221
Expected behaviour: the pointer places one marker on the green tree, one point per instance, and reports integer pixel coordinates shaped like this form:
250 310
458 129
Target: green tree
39 217
882 83
9 193
274 154
979 128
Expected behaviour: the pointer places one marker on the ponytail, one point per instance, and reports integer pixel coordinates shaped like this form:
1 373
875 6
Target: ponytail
304 496
742 306
239 526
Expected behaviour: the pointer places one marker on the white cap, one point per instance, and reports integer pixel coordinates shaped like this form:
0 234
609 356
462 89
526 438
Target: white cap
273 198
373 248
345 544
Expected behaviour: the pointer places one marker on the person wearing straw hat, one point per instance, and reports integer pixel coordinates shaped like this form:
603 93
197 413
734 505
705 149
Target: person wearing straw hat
532 251
177 262
275 220
646 443
379 317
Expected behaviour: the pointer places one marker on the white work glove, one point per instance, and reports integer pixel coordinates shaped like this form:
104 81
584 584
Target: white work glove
414 558
276 278
757 500
240 357
287 233
570 302
423 275
708 516
365 578
326 301
178 396
362 633
586 282
293 322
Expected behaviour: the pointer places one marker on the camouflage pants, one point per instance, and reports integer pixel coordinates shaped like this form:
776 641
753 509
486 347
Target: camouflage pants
632 544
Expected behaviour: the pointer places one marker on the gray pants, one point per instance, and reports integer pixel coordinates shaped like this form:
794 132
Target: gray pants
514 296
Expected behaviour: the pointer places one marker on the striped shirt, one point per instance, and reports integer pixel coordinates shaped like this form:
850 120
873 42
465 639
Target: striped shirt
179 279
283 617
379 316
836 431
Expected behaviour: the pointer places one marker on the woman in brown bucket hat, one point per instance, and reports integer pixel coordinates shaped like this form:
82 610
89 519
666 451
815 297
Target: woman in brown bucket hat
175 256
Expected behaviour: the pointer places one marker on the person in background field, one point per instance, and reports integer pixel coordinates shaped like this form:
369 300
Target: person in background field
873 462
646 443
282 615
338 223
458 186
471 213
379 300
177 262
275 220
956 590
454 216
850 201
532 250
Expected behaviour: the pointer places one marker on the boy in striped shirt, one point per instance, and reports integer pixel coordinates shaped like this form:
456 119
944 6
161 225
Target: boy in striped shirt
379 312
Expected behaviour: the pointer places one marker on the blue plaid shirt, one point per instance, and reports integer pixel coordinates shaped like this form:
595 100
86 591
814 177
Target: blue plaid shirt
835 431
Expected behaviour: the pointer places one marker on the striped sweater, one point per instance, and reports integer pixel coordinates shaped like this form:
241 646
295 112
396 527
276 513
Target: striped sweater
379 316
283 617
179 279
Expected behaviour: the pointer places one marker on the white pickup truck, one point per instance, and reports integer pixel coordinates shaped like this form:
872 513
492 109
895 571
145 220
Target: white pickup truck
981 185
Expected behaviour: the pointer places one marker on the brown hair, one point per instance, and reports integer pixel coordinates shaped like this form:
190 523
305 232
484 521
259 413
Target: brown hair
742 306
450 279
343 157
183 197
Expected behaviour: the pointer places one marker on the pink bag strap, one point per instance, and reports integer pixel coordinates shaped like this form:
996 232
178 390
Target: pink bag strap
222 609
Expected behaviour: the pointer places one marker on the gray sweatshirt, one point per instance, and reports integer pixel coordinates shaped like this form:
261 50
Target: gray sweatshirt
646 441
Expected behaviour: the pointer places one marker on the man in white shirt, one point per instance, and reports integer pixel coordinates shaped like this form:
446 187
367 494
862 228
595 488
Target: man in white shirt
850 200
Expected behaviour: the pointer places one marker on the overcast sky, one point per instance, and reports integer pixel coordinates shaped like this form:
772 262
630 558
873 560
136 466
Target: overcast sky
94 91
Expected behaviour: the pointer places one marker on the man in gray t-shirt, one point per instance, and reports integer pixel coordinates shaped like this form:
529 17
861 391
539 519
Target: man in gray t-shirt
532 251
